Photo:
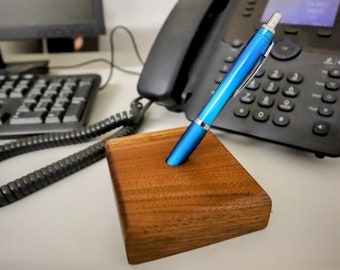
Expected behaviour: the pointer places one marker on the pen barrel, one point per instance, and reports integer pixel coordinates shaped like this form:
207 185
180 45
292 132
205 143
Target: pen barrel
188 142
243 66
253 52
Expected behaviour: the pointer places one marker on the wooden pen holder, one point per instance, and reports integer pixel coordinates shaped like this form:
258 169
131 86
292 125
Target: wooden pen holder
166 210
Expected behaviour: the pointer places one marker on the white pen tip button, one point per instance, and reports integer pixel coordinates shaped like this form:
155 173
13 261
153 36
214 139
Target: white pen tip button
273 22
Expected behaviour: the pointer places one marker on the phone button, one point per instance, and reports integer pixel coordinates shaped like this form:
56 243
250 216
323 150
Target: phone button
247 97
241 112
286 105
275 74
291 31
334 73
281 120
260 116
329 98
236 43
271 88
285 49
291 91
321 128
295 77
325 111
332 85
324 33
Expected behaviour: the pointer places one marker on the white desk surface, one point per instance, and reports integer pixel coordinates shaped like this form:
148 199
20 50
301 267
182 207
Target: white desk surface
73 224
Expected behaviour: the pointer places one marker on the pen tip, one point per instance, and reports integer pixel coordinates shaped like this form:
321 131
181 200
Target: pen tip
273 21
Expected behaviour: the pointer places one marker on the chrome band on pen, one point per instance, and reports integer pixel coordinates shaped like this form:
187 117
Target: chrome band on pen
202 124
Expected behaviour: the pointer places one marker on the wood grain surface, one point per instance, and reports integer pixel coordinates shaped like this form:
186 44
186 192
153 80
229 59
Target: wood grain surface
165 210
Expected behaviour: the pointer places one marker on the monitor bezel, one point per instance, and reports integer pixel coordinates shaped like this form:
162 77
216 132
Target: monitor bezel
93 28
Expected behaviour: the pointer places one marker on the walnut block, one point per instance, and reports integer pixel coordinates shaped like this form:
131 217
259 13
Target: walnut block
166 210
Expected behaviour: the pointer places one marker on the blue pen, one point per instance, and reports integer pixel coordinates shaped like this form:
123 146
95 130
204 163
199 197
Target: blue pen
244 68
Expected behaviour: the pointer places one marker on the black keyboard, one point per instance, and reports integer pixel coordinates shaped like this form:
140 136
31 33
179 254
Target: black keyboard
34 104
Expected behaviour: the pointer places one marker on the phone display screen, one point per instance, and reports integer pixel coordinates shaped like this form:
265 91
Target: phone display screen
304 12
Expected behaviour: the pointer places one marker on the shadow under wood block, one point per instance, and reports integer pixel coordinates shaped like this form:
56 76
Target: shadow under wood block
166 210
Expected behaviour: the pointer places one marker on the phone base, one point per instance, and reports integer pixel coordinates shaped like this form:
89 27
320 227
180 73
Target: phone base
166 210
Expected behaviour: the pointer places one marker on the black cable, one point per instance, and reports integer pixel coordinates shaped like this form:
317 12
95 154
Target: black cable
49 140
47 175
112 49
111 62
89 62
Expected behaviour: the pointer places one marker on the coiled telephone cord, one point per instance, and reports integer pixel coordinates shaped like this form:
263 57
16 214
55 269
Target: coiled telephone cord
49 174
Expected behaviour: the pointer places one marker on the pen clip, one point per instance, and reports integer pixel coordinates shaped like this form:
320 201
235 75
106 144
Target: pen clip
254 70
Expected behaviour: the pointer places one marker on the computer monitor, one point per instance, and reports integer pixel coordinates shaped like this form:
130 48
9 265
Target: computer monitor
42 19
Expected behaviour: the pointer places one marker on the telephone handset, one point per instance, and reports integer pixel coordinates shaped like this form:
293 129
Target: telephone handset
165 73
293 100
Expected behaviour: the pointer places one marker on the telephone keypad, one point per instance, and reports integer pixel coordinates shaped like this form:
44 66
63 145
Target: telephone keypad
294 102
284 93
266 97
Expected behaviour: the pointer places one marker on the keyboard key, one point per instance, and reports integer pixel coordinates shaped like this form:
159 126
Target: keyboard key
27 118
63 96
28 77
42 106
43 102
54 117
53 88
4 93
48 96
82 92
18 92
32 97
25 107
74 112
60 106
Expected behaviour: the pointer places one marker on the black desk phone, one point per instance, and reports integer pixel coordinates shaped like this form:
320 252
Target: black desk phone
294 99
